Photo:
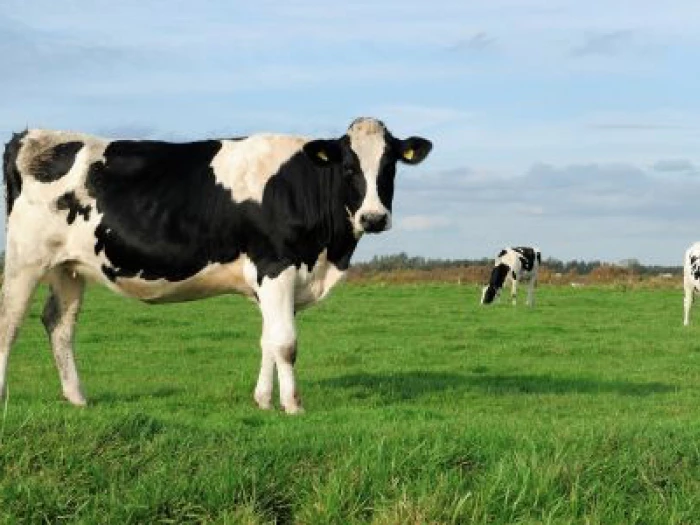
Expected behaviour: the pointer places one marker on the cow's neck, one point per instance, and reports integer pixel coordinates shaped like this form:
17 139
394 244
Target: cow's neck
334 227
306 214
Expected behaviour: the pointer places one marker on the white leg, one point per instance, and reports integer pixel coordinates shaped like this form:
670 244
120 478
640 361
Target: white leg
59 317
285 357
278 342
687 303
263 389
17 292
514 292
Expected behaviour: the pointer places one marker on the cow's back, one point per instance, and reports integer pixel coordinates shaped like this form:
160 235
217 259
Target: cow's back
117 208
151 219
522 261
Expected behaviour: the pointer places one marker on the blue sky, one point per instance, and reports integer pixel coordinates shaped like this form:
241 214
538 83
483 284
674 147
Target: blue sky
570 125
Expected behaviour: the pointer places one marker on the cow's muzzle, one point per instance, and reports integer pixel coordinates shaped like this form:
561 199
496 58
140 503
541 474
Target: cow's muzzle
488 294
374 222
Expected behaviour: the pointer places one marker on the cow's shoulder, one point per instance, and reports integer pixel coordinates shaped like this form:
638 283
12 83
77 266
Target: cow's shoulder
245 165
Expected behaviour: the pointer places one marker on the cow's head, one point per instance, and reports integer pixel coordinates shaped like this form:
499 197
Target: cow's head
367 155
498 277
488 294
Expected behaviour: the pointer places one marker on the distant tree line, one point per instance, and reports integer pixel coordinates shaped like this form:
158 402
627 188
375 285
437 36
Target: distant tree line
402 261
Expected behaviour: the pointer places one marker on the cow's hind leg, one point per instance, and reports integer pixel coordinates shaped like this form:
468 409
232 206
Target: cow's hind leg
17 291
59 317
531 292
278 342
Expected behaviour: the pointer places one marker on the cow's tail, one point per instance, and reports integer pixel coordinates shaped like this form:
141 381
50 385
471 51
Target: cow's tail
11 174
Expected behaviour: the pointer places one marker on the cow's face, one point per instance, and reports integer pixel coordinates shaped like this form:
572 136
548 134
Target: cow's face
493 289
367 155
489 293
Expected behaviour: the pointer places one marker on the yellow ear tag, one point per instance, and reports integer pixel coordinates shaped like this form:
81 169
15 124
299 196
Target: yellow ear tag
322 155
408 154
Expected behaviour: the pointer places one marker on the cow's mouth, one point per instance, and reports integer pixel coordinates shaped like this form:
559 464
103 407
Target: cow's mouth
374 222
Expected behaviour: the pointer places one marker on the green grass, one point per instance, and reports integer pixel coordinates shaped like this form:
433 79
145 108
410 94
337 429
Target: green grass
422 407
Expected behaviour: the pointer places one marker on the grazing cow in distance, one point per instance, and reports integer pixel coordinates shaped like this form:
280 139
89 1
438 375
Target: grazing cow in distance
691 279
274 217
519 264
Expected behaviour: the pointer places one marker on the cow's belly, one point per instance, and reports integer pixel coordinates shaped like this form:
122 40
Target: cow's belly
215 279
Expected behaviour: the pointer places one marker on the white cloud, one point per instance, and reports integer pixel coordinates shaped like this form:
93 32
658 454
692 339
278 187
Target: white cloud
477 43
653 120
529 210
674 166
606 44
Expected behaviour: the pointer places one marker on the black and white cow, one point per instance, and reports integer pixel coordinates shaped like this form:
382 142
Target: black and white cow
273 217
520 264
691 279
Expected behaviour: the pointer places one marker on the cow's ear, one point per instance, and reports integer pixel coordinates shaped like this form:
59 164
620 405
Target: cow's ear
413 150
323 152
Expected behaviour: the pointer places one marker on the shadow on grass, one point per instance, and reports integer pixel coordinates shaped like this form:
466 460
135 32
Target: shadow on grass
411 385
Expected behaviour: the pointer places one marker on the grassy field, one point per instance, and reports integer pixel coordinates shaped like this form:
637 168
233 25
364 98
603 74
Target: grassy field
422 407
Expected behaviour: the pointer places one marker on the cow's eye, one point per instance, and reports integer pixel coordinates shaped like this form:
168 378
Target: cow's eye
350 171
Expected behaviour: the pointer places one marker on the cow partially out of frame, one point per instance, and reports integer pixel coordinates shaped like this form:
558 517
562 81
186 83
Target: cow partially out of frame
273 217
691 279
520 264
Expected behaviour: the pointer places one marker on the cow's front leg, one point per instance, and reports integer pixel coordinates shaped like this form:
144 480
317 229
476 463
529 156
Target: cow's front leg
278 342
